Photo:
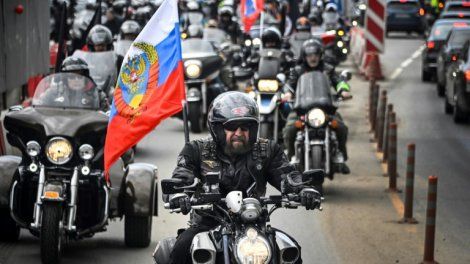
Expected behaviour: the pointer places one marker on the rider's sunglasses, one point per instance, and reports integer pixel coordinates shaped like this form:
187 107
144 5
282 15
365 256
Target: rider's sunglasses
234 126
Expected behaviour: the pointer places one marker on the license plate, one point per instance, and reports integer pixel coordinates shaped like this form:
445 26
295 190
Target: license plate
402 16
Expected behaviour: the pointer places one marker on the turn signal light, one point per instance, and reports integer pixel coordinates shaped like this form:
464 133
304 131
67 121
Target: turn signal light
441 5
421 11
454 57
51 195
334 124
299 124
467 75
431 44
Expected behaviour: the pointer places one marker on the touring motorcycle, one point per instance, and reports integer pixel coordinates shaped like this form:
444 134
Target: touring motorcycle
316 143
244 234
57 189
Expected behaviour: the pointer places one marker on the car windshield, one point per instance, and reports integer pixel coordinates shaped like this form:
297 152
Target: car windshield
459 39
66 90
441 31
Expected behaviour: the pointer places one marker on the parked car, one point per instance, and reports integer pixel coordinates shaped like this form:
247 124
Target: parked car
405 15
456 7
436 39
449 54
457 99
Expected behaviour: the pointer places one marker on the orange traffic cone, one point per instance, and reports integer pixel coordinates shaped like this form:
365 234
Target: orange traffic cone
373 69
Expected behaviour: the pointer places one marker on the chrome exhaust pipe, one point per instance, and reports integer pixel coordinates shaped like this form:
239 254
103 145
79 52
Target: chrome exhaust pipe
202 249
289 252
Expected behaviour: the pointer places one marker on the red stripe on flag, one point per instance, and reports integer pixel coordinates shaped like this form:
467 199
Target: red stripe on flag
163 103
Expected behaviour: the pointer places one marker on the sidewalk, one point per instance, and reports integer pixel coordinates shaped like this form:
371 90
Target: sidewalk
360 216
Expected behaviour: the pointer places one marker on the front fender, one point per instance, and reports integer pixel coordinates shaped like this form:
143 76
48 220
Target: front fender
139 190
8 166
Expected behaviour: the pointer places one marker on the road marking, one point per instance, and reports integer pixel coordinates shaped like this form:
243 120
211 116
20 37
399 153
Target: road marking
406 63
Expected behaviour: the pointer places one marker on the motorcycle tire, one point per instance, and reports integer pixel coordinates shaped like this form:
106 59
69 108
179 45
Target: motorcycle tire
459 115
447 106
8 228
195 117
266 130
440 89
51 237
317 153
137 231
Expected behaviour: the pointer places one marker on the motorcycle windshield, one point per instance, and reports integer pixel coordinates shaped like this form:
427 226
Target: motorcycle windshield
67 90
197 48
215 36
122 46
195 18
313 91
102 65
296 41
269 63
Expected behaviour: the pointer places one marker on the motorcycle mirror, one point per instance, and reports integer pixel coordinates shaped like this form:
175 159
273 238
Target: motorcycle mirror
15 108
171 186
315 177
346 75
281 77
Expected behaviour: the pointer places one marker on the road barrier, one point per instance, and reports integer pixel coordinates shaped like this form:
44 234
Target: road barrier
392 157
388 120
379 130
430 221
409 189
373 112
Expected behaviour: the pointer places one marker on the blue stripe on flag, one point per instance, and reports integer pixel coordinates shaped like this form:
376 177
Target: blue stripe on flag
169 54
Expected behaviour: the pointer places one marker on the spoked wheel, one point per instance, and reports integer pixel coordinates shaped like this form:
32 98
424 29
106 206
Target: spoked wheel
51 234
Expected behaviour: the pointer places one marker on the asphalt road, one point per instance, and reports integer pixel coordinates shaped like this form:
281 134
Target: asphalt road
442 149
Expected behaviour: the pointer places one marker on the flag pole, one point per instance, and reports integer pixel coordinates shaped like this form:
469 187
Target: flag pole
185 121
261 28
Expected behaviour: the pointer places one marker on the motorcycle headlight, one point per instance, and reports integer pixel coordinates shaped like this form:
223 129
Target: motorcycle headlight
86 152
59 150
340 33
256 42
248 42
362 7
253 248
33 148
345 51
316 117
268 85
340 44
193 69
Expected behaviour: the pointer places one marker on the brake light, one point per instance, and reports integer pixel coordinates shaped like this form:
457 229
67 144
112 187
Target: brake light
467 75
454 57
403 1
459 24
460 15
431 44
421 12
466 3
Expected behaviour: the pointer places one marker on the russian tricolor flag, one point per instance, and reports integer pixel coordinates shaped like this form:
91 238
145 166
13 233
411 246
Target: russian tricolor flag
250 11
150 86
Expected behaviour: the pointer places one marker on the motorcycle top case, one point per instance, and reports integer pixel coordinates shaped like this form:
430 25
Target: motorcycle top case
313 91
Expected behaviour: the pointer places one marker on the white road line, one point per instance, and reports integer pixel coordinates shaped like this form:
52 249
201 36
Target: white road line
406 63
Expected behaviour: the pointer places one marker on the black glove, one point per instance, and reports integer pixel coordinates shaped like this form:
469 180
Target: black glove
310 198
182 202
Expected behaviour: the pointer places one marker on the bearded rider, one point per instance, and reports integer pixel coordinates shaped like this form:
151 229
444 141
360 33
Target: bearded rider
311 60
234 151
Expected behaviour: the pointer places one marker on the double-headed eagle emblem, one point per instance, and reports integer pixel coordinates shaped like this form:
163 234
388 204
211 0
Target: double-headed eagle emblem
137 81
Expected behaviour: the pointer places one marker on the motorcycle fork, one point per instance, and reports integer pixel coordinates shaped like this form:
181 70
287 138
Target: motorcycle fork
37 205
327 151
73 201
225 246
276 123
204 97
306 150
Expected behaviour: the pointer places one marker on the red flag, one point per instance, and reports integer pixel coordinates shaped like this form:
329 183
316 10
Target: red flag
250 11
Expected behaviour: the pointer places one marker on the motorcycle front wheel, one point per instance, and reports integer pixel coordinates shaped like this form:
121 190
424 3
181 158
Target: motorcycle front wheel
317 157
51 237
195 116
266 130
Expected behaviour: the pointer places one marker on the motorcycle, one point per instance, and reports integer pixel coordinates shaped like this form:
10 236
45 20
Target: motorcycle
57 189
202 66
267 93
244 234
316 143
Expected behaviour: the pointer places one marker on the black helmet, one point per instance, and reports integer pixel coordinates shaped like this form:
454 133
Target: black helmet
99 35
75 64
311 46
303 24
232 107
272 34
119 6
130 27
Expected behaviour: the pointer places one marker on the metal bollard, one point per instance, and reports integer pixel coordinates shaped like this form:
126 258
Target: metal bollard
379 130
371 95
375 101
390 118
430 221
392 158
410 175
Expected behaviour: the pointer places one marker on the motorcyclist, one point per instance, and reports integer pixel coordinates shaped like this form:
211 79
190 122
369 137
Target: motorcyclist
331 14
303 25
75 91
239 156
115 17
129 30
227 24
99 39
311 60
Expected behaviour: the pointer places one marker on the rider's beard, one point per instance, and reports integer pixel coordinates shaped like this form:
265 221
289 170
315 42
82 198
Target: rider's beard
238 145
